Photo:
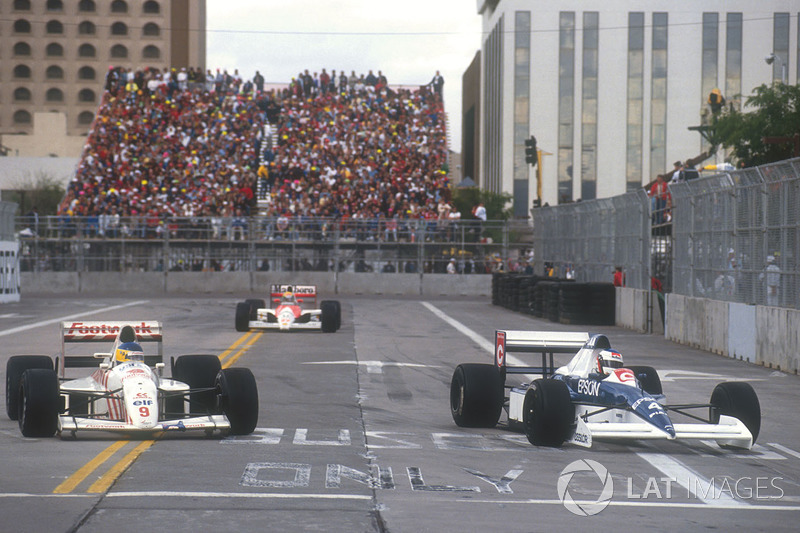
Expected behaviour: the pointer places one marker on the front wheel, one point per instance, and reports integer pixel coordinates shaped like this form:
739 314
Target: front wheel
476 395
242 322
199 371
237 395
38 403
16 366
647 376
739 400
331 317
547 413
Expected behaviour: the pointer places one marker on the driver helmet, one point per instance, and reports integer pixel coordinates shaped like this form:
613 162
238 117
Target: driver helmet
608 360
129 351
288 296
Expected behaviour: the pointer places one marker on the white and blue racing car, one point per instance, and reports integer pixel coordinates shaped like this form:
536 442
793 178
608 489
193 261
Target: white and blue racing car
594 396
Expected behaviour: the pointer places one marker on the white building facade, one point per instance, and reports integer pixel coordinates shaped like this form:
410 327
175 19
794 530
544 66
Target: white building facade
609 88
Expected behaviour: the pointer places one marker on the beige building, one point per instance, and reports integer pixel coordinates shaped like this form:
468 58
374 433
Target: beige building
54 55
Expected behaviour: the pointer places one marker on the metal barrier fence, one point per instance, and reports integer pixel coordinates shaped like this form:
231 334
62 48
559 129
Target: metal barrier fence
9 261
7 212
737 235
586 240
129 244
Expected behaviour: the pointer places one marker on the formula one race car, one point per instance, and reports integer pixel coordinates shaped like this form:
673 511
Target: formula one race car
127 392
292 307
593 397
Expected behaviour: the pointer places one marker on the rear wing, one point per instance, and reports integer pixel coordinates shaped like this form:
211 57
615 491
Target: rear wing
546 343
305 293
148 332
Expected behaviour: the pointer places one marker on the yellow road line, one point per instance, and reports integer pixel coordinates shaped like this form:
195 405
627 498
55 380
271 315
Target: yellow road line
102 484
233 346
83 472
242 350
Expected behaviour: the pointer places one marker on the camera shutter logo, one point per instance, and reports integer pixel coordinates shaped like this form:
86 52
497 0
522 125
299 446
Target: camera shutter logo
585 508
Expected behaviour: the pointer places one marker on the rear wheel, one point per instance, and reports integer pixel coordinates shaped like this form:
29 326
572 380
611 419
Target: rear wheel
243 316
238 399
476 395
739 400
38 402
331 316
648 379
15 367
199 371
547 413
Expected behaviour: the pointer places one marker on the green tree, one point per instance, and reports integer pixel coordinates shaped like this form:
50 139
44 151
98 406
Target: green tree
497 205
41 191
771 111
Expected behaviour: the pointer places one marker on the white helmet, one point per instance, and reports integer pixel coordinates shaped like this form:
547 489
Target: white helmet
608 360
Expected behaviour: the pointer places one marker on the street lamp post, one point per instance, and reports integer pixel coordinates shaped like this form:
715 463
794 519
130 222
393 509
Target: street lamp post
770 59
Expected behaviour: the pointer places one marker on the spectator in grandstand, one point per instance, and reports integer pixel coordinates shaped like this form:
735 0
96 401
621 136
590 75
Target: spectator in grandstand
659 200
437 83
619 277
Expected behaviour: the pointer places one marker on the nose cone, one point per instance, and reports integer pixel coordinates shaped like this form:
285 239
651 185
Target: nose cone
141 401
652 412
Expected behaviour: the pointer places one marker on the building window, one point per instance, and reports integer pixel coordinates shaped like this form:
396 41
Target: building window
118 6
119 51
22 49
658 95
54 95
710 67
780 47
151 30
493 105
22 72
87 28
151 8
635 114
55 5
86 95
22 117
119 28
733 59
54 50
566 103
22 94
22 26
85 118
54 27
87 6
522 84
54 72
151 52
86 50
86 73
22 5
591 26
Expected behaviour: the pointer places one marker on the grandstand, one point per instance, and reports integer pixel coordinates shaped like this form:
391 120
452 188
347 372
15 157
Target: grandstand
166 146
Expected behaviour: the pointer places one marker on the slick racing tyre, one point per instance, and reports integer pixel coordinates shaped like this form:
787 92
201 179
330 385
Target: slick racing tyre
255 304
476 395
237 397
199 371
547 413
38 402
243 316
331 316
739 400
648 379
16 366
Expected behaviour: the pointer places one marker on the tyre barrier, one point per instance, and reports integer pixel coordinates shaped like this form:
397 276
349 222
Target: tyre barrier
558 300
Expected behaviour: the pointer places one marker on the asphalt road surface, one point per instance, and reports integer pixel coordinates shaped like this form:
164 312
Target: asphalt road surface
355 434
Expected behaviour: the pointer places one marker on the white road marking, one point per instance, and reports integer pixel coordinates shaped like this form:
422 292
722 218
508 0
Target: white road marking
784 449
627 503
245 495
373 367
669 375
69 317
700 487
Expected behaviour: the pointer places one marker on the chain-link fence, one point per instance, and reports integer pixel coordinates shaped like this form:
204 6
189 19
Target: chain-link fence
737 235
7 212
587 240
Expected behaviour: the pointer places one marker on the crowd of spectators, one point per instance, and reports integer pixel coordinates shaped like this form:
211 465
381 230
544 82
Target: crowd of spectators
177 143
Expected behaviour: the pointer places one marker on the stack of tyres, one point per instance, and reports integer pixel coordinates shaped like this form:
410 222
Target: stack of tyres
573 299
537 299
601 305
550 304
523 291
497 278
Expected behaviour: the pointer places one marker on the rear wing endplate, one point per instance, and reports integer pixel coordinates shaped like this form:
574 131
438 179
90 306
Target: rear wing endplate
546 343
147 332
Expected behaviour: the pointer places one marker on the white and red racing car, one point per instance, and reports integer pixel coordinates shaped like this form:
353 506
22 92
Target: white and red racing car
291 307
127 392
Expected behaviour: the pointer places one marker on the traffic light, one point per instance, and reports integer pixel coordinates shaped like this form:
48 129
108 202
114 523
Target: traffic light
531 157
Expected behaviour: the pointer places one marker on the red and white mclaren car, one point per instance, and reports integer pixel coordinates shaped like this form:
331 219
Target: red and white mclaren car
127 392
291 307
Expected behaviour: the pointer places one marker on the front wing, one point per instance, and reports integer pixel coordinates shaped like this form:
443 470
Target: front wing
68 423
263 324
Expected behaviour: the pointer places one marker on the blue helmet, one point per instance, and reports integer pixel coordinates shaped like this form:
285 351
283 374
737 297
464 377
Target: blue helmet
129 351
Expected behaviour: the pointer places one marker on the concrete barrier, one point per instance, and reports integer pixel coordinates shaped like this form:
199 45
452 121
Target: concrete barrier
632 310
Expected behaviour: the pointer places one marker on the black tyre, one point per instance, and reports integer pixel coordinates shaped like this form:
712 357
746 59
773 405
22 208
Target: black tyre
476 395
243 316
255 304
199 371
331 316
38 402
648 379
338 314
739 400
547 413
237 396
15 367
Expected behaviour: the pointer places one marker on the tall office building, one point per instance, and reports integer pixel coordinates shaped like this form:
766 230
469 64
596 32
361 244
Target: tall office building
54 54
610 87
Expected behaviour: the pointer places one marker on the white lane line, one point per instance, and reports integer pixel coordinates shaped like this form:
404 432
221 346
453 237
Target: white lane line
272 495
784 449
701 488
69 317
680 505
473 336
373 367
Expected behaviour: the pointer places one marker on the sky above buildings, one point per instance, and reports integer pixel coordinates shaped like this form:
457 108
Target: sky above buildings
409 41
